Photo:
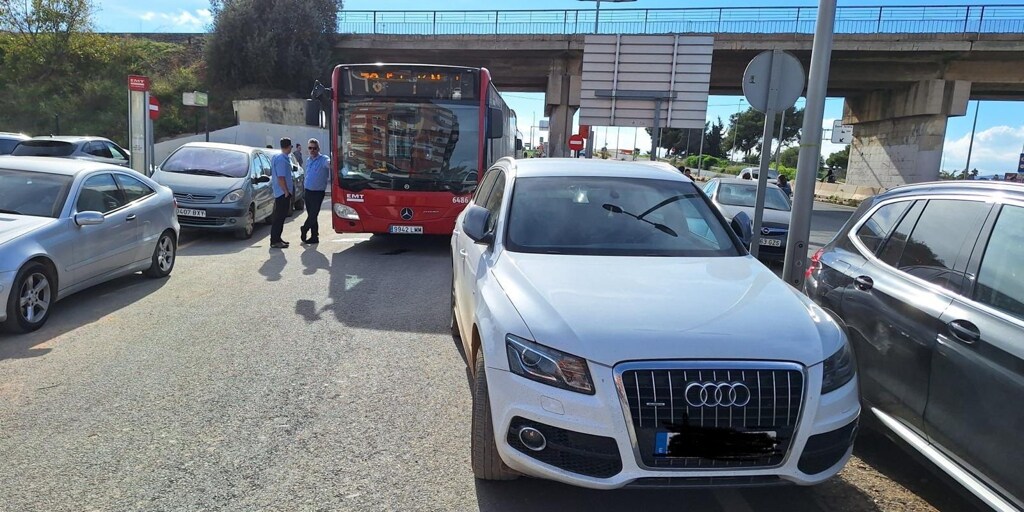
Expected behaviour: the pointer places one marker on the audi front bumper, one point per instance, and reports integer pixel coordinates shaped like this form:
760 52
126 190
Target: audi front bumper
592 441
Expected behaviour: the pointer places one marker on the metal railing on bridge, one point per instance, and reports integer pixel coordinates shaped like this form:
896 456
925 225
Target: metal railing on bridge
945 19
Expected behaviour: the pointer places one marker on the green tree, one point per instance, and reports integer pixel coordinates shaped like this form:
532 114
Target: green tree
747 127
282 45
713 137
840 159
790 156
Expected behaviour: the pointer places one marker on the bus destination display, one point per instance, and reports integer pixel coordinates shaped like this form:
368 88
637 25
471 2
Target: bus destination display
399 83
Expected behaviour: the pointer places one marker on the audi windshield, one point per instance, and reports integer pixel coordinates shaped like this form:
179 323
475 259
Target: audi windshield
409 146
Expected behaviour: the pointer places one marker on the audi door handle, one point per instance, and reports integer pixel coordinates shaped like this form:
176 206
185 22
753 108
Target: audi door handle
864 283
462 253
964 331
130 218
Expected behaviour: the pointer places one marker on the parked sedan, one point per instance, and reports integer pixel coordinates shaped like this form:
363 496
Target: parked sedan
221 187
927 282
66 225
96 149
732 196
617 333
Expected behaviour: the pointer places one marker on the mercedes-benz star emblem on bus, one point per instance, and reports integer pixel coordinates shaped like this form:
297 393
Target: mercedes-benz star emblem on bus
406 213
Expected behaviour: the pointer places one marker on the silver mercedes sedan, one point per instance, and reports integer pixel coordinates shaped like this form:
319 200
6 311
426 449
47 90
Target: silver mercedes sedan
66 225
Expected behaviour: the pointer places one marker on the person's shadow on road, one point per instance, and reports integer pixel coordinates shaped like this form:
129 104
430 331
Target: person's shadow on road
313 261
271 269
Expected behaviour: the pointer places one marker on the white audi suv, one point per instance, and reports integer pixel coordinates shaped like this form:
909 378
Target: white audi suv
618 334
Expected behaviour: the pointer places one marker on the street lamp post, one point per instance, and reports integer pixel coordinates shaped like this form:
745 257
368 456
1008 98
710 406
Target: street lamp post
597 12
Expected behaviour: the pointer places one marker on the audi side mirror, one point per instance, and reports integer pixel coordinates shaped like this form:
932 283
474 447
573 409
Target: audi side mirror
88 218
474 224
741 225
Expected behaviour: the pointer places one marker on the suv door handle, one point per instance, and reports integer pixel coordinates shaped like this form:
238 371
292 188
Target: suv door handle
964 331
462 253
864 283
130 218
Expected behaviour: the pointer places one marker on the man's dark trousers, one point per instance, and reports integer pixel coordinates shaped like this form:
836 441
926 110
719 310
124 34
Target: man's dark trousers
314 198
281 206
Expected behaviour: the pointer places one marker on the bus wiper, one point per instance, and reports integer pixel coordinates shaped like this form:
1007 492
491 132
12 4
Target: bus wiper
660 227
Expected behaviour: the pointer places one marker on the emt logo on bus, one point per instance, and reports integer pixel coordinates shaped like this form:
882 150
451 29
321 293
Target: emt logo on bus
353 198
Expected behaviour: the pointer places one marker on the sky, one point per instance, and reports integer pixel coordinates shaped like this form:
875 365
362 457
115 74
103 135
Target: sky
998 140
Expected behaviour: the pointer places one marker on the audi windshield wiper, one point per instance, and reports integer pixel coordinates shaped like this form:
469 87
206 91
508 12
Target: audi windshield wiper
12 212
659 226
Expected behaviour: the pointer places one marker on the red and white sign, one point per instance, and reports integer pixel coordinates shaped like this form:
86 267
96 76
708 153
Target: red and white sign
154 108
138 83
576 142
585 130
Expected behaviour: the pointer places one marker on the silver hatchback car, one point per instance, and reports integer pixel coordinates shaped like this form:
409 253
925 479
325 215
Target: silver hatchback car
66 225
96 149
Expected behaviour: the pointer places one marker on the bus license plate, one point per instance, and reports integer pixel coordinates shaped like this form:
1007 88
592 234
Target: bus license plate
771 242
189 212
406 230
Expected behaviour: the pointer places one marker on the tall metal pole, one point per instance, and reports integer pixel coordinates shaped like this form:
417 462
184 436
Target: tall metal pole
597 15
636 132
810 146
762 180
700 157
533 143
735 132
778 149
970 148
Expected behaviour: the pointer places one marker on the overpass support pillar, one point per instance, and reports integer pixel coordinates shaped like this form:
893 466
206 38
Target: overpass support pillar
561 101
898 134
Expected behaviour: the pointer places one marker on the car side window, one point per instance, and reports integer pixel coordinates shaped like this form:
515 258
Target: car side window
99 149
940 243
709 189
480 197
264 165
255 166
133 188
877 227
115 152
494 200
100 194
1001 277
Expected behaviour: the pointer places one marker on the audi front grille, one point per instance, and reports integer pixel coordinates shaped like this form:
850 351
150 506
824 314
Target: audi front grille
711 415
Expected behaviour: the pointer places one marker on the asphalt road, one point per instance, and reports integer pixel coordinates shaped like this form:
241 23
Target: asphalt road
316 378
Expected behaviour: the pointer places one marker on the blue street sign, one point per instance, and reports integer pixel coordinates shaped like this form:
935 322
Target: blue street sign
1020 166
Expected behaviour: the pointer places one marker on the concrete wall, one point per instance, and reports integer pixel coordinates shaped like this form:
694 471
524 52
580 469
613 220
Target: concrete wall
275 111
248 134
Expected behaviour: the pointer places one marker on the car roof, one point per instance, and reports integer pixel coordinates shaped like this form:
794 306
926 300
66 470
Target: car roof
741 181
12 135
561 167
219 145
983 188
54 165
68 138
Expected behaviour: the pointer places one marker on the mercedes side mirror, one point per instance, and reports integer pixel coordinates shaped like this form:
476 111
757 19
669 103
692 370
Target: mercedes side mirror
474 224
88 218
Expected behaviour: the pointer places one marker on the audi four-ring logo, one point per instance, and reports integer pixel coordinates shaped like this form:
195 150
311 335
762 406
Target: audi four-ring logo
717 394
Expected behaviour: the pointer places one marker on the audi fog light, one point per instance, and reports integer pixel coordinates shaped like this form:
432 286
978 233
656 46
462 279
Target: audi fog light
548 366
234 196
839 369
345 212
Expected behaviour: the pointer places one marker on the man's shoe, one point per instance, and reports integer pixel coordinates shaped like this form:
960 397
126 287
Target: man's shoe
314 240
286 244
278 245
303 232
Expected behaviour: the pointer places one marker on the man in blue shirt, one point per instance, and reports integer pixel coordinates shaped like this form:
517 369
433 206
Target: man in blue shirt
318 178
284 186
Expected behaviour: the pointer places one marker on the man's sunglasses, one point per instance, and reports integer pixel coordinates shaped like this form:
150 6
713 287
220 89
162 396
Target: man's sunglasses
313 148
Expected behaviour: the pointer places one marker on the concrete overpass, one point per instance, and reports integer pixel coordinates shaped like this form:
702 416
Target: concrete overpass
899 88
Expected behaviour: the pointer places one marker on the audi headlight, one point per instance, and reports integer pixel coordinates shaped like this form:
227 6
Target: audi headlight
548 366
345 212
234 196
839 369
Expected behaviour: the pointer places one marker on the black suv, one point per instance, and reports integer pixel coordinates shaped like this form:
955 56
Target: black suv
928 281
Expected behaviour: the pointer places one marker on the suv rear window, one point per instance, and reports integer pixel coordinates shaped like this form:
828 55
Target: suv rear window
44 148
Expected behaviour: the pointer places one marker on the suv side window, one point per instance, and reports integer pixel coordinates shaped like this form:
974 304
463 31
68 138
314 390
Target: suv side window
100 194
878 226
1001 278
480 196
494 200
940 244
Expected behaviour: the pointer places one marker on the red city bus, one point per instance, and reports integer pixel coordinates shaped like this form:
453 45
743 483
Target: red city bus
408 143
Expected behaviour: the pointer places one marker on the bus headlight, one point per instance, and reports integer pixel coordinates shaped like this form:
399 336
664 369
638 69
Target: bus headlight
345 212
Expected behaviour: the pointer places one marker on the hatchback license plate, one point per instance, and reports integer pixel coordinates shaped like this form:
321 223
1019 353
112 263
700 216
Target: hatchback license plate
189 212
406 230
771 242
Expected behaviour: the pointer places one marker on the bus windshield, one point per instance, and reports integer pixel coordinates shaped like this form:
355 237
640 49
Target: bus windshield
430 145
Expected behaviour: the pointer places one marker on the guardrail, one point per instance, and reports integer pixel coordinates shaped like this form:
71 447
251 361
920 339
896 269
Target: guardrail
948 19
